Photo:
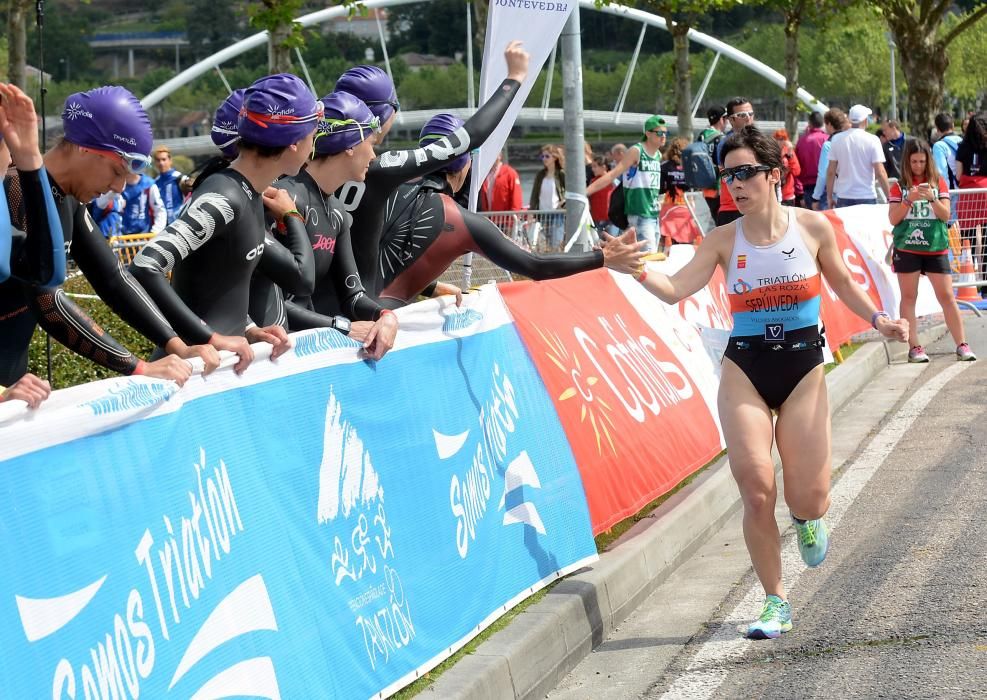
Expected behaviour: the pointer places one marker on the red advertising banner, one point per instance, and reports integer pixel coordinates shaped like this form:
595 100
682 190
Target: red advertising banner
635 419
841 323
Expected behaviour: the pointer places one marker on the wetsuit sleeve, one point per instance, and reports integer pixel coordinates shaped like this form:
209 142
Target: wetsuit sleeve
288 260
301 318
37 255
114 284
354 301
396 167
5 240
501 251
72 327
210 214
159 214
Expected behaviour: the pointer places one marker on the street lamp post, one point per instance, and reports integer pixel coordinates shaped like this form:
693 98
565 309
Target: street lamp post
894 90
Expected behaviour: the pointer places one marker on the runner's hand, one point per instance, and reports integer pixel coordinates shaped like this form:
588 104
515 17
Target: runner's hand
275 335
623 253
33 390
236 344
278 201
896 330
381 337
517 61
169 367
19 126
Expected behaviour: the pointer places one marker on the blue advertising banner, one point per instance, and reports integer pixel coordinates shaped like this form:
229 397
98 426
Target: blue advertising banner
331 532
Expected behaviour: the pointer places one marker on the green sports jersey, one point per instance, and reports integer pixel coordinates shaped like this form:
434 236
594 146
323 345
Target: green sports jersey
641 185
921 231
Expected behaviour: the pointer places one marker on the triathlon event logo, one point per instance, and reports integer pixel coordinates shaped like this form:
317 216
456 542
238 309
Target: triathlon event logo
351 504
174 571
741 286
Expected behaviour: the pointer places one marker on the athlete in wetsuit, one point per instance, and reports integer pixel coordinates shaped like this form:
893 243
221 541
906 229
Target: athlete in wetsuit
39 258
87 162
773 257
427 230
216 243
343 151
365 200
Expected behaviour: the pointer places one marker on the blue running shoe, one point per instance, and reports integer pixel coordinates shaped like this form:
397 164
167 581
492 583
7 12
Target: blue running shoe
813 541
776 618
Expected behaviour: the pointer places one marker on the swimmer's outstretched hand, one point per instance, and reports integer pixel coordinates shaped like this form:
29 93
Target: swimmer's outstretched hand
896 330
517 61
623 253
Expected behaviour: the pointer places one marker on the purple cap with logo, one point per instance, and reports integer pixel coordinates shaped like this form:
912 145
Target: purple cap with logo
374 87
110 118
224 125
278 110
440 126
346 122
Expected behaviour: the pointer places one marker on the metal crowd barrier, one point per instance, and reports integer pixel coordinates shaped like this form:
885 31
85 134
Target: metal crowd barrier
126 247
968 242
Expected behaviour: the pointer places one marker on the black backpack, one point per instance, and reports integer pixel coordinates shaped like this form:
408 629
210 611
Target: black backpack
615 212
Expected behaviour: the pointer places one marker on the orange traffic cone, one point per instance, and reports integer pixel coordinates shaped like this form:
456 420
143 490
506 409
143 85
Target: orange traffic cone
967 274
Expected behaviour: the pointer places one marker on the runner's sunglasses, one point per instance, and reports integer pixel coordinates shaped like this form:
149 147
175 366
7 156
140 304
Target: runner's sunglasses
742 172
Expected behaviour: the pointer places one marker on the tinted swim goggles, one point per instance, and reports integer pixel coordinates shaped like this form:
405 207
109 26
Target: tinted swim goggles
393 102
742 172
133 162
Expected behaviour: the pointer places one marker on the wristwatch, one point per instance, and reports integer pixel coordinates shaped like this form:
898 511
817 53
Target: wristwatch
341 324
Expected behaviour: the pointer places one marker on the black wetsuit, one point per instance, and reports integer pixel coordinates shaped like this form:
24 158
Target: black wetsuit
365 200
287 267
426 230
338 286
23 305
211 249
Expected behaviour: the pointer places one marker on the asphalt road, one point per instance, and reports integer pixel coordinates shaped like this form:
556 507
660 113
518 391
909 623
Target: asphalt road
898 609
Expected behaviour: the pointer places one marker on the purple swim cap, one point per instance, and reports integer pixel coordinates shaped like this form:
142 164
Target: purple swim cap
110 118
278 110
346 123
374 87
440 126
224 132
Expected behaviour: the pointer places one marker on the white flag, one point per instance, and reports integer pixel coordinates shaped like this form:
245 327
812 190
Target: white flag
537 24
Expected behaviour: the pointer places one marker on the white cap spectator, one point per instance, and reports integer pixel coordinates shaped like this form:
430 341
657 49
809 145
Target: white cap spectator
859 113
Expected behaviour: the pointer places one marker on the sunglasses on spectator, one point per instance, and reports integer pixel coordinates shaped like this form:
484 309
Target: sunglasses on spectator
546 156
742 173
658 132
742 115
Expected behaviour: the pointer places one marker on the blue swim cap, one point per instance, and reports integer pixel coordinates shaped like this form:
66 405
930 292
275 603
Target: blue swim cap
278 110
440 126
374 87
346 122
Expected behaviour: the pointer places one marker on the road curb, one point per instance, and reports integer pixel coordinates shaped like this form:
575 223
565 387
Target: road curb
546 641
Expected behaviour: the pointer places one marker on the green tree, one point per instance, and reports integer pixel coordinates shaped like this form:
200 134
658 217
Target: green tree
277 17
794 14
210 26
680 17
924 36
17 19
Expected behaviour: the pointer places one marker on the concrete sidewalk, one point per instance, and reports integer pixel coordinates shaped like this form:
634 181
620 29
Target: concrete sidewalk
546 641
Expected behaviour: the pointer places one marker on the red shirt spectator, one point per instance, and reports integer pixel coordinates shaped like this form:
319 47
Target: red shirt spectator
807 150
599 201
506 186
790 167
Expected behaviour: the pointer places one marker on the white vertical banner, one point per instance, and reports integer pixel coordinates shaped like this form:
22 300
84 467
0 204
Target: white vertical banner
535 23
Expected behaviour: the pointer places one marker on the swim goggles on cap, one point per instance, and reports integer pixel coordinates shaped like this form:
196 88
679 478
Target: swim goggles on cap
134 162
393 101
263 120
328 126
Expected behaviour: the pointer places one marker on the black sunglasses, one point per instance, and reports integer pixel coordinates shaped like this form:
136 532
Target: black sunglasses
659 132
742 172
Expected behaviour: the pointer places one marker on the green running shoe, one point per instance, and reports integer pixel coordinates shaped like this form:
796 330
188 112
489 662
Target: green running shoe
776 618
813 541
